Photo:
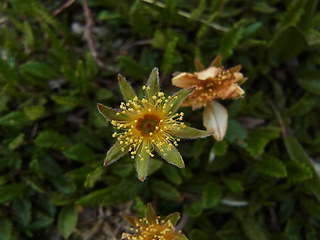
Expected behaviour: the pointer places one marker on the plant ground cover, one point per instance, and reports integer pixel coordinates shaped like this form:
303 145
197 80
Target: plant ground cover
60 58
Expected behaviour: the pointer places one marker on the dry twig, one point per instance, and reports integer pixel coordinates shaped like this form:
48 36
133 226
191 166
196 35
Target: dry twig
88 30
63 7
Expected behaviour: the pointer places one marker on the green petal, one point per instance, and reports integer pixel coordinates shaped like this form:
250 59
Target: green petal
142 162
198 64
127 91
115 153
190 132
151 214
177 99
173 218
173 156
217 61
111 114
153 83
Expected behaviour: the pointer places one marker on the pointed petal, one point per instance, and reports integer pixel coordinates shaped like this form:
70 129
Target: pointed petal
110 113
153 83
173 156
210 72
184 80
127 91
173 218
142 162
115 152
130 219
198 64
235 69
215 119
189 132
217 61
151 214
177 99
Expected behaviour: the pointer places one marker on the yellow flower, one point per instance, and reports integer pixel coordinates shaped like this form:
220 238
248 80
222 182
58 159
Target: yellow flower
214 82
152 228
148 124
210 84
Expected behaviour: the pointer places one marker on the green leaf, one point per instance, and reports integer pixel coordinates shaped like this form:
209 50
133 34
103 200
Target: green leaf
309 80
153 83
131 67
194 209
22 209
211 194
252 229
282 48
64 184
115 152
51 139
197 234
39 69
11 191
127 91
139 20
17 141
164 190
272 167
67 100
170 56
230 40
67 220
80 152
171 154
234 185
189 132
34 112
263 7
14 118
172 174
293 14
6 230
159 40
301 172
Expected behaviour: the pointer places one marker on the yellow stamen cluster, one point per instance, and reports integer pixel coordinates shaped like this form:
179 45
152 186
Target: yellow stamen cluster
161 230
212 88
148 125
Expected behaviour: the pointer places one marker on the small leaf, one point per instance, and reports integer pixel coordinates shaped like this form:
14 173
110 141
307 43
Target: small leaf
215 119
39 69
234 185
34 112
211 194
271 166
111 114
79 152
189 132
171 155
67 220
127 91
51 139
194 209
151 214
252 229
115 152
309 80
6 229
164 190
17 141
11 191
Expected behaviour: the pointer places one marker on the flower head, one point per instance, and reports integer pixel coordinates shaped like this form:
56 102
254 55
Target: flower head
152 228
148 124
214 82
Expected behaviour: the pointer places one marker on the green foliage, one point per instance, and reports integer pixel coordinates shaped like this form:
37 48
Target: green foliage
260 182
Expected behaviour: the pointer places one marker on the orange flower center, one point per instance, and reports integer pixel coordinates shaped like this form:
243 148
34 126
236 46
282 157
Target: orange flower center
148 124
